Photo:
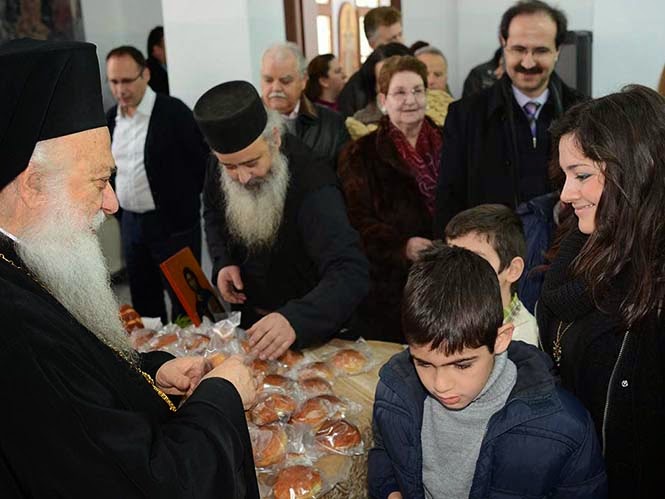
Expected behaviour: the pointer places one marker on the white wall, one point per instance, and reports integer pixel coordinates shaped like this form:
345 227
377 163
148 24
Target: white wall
210 42
628 37
266 26
109 24
629 44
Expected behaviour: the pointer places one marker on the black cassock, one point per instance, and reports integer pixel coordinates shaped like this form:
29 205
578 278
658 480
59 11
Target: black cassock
78 421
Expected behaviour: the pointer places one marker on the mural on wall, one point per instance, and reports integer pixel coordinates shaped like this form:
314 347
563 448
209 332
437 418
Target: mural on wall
349 50
41 19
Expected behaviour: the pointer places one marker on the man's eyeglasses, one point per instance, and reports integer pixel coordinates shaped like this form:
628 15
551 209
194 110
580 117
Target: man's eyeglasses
401 95
126 81
537 53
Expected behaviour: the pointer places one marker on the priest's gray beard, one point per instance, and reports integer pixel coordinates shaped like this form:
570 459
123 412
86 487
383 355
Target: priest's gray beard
254 211
63 252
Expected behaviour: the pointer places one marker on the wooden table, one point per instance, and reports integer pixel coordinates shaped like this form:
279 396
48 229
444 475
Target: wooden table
360 389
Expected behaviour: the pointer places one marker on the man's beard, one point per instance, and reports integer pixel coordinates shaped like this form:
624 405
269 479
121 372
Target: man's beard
254 211
63 252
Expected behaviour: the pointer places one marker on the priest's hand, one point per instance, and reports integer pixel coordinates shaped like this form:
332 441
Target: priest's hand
230 284
235 371
181 376
271 336
395 495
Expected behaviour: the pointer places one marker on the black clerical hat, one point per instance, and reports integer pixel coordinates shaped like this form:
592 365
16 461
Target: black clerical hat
47 90
231 116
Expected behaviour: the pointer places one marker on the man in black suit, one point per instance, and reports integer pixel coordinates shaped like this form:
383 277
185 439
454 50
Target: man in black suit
496 144
161 158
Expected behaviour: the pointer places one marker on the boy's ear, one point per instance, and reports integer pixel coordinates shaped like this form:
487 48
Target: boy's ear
514 271
503 338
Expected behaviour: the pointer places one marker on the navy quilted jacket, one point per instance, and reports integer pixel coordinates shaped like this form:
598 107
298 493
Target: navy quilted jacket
541 444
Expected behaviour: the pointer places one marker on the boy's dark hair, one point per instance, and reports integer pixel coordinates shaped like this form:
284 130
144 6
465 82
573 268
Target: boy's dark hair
498 223
451 300
155 37
380 16
132 52
535 7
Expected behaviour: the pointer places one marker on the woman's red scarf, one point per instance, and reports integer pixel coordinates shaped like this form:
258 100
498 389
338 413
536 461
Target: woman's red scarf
423 160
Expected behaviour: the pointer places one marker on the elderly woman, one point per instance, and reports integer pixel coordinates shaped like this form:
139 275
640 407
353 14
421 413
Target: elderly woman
601 311
325 80
366 120
389 179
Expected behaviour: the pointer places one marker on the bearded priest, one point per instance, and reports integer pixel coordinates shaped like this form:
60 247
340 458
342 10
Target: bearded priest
84 414
283 250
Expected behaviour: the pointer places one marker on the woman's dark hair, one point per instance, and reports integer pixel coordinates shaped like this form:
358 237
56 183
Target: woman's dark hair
529 7
380 53
451 301
317 68
624 133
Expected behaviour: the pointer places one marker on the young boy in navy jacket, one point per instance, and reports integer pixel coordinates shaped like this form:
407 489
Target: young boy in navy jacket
463 412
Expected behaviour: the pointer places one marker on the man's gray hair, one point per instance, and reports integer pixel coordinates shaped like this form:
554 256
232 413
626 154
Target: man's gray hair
429 49
282 49
47 164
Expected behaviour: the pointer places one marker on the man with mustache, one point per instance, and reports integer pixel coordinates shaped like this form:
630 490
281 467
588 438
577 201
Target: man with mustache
283 79
86 415
496 146
283 250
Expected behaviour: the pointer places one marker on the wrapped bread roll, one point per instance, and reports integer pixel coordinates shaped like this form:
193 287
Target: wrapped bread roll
315 411
350 361
316 370
313 387
272 407
338 435
268 445
297 482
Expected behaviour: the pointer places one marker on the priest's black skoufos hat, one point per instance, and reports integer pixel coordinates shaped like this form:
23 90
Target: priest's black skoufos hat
47 90
231 116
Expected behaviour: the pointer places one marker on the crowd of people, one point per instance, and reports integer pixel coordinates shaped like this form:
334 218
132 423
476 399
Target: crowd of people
512 239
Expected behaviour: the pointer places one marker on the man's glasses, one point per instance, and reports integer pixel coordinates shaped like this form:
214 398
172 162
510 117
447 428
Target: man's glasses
538 53
126 81
401 95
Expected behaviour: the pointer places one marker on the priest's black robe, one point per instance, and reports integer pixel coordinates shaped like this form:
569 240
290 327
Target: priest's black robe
78 421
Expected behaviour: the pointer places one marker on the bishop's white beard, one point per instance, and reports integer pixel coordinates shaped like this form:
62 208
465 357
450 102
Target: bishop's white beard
254 211
65 255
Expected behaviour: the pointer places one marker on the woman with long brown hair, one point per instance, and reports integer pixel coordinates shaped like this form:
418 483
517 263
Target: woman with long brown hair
600 312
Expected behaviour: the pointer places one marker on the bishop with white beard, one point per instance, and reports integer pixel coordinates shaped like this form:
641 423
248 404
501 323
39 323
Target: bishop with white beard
283 250
85 415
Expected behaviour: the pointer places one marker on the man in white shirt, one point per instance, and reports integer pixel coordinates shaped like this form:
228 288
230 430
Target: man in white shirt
160 157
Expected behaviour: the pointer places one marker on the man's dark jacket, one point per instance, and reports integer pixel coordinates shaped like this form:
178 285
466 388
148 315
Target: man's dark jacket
159 78
354 95
488 154
84 423
322 129
175 156
315 274
541 444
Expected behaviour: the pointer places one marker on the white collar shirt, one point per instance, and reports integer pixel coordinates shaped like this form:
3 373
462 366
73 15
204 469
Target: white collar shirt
522 99
128 146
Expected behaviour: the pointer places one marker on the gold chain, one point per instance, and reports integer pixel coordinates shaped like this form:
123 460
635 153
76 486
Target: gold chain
556 347
145 375
163 395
